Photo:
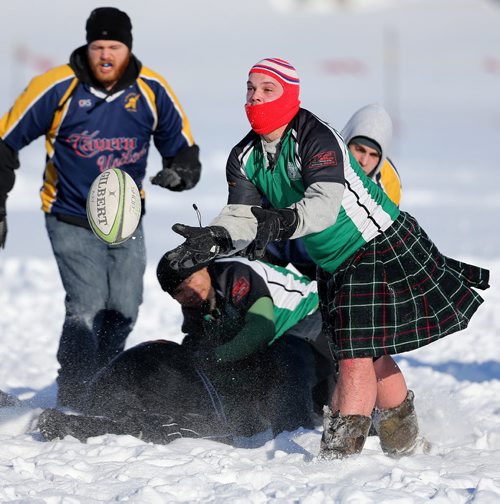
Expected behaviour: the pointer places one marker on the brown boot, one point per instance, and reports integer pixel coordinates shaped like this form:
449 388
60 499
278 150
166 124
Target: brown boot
397 428
343 435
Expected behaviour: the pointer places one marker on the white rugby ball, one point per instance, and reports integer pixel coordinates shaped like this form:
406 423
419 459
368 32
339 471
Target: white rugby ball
114 206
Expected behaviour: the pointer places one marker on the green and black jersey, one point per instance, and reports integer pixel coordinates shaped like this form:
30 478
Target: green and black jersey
339 207
256 303
239 283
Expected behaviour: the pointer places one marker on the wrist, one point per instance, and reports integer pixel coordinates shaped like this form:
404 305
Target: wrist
289 222
222 238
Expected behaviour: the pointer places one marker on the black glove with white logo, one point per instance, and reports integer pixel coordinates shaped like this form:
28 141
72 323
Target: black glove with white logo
180 172
272 225
201 246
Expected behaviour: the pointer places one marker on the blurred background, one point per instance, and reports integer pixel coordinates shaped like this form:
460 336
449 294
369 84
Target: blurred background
434 64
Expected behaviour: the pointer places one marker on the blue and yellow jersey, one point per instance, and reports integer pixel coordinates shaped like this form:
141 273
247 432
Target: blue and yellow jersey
88 131
389 180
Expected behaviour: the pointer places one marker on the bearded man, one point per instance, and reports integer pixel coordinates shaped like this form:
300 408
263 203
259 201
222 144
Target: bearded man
97 112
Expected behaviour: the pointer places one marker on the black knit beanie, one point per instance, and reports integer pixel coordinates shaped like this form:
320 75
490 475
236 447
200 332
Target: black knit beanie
369 142
109 23
171 278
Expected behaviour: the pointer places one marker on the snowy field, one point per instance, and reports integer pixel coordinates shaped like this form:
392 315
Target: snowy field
456 383
439 77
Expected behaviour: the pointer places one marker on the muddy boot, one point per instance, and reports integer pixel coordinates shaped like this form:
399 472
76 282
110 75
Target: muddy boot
343 435
397 428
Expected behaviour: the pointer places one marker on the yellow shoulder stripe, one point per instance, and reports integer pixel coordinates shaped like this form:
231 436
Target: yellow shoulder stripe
150 99
34 91
147 73
59 113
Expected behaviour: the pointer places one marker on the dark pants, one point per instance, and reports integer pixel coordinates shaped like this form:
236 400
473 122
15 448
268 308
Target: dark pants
290 400
272 389
104 287
159 379
154 376
156 380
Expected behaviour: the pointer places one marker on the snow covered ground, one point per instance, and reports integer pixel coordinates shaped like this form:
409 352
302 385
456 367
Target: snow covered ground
456 383
439 78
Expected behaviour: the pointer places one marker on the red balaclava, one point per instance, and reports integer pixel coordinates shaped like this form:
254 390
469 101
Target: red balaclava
267 117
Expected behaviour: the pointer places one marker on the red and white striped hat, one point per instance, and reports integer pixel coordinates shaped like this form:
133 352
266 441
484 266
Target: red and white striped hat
267 117
279 69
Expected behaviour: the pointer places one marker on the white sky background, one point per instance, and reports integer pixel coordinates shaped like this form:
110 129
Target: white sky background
445 99
434 64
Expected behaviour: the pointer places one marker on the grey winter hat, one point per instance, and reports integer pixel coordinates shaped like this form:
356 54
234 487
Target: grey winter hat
109 23
368 142
373 123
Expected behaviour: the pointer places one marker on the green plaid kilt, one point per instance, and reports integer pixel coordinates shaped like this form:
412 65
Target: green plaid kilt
397 293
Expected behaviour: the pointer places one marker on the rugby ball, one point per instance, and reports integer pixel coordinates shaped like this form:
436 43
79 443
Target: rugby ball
113 206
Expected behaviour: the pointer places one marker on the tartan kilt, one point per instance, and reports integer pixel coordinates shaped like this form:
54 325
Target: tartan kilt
397 293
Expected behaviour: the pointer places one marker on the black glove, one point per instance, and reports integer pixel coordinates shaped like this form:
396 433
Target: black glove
201 246
169 179
180 172
272 225
3 227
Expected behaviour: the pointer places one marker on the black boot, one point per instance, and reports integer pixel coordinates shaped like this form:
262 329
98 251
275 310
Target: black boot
55 424
161 429
343 435
397 428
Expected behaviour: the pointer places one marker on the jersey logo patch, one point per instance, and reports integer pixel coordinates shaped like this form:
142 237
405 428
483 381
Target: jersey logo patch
293 171
131 101
85 102
328 158
240 289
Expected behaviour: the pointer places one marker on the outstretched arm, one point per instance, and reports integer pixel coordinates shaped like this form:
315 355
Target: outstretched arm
256 334
202 245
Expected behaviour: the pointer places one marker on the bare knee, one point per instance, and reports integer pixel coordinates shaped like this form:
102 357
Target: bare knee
356 389
357 366
385 366
391 385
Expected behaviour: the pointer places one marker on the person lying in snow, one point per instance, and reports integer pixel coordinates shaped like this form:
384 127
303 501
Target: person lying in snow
247 363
